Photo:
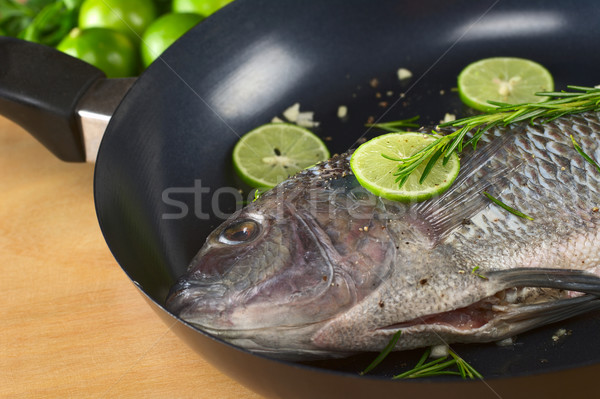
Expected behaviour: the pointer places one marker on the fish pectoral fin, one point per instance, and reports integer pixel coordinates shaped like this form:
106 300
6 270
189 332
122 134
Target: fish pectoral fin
465 198
562 279
520 318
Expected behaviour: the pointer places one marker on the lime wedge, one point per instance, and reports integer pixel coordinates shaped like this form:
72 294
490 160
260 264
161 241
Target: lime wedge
271 153
503 79
376 173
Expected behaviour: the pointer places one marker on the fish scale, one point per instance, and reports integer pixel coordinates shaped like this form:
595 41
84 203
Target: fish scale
560 201
357 268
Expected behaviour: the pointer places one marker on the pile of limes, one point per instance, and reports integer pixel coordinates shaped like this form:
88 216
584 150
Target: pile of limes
123 37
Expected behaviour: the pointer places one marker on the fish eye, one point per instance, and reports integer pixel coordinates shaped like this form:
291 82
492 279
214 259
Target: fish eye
239 232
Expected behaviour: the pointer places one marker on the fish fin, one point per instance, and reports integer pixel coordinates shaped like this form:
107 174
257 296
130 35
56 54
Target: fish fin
563 279
526 317
465 198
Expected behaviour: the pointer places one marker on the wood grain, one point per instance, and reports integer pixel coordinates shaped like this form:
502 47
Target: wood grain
73 325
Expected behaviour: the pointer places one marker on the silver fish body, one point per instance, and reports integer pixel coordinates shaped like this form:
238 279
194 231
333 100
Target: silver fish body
320 267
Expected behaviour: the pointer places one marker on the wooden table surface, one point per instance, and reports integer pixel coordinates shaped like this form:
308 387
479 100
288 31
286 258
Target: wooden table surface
73 325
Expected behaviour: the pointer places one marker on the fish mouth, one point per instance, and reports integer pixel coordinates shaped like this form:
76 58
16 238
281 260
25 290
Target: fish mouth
212 316
184 301
285 343
203 306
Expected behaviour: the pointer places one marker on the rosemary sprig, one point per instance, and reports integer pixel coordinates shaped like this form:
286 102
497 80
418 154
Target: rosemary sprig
506 207
580 99
436 367
441 366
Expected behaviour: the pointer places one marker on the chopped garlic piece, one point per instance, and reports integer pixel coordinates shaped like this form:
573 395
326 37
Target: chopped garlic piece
291 114
506 341
305 119
277 119
449 118
404 73
561 332
308 124
438 351
342 111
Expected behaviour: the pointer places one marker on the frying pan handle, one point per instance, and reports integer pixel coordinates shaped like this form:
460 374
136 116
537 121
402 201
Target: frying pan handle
39 90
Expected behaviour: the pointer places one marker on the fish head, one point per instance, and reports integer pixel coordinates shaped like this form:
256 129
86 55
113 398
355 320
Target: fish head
273 269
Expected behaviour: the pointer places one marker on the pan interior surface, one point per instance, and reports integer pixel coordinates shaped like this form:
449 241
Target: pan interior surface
164 178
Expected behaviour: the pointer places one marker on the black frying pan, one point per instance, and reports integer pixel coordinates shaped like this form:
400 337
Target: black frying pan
166 155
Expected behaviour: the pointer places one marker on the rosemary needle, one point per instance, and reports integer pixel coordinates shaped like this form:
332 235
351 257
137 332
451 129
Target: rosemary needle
386 351
396 126
466 370
475 272
584 155
506 207
435 367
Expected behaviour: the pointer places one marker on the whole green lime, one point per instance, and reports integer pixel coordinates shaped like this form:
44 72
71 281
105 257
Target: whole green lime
163 32
106 49
130 17
202 7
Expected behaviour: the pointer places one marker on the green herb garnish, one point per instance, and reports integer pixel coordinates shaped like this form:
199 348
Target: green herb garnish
451 364
441 366
396 126
386 351
474 271
584 155
258 192
465 369
506 207
581 99
435 367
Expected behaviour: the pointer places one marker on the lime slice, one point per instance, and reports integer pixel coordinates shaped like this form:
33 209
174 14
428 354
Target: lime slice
271 153
376 173
503 79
